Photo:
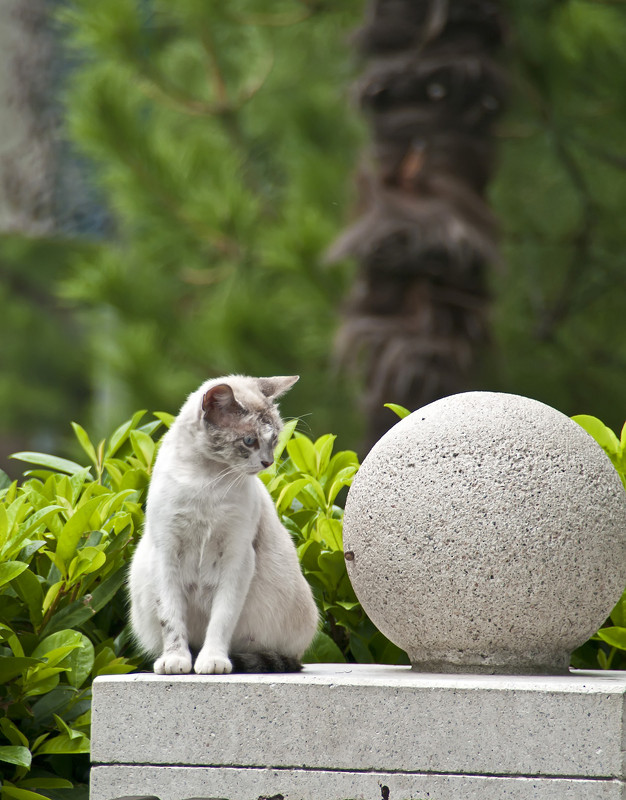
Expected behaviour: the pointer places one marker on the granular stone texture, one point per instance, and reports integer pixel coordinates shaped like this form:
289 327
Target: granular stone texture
487 533
337 731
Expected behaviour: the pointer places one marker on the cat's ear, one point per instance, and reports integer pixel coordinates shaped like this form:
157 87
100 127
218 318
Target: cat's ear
275 387
218 400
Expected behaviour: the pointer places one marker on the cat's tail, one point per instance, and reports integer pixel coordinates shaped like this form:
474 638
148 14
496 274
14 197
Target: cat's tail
267 661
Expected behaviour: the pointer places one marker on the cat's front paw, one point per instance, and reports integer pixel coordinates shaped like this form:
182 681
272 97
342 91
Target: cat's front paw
173 664
212 663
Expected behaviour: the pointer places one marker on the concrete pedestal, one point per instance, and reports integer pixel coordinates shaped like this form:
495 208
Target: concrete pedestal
356 731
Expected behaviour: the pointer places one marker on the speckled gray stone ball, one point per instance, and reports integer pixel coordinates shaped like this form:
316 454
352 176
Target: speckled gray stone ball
487 533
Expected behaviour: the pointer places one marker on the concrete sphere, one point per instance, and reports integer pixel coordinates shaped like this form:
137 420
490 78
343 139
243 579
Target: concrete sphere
487 533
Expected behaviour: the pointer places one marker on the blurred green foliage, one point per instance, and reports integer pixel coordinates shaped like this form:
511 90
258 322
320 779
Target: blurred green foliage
222 142
559 194
44 372
222 139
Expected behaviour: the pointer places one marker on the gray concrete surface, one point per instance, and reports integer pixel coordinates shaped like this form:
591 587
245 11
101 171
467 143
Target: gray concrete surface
487 532
343 723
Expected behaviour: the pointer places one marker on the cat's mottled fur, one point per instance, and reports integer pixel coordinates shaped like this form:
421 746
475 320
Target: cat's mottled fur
215 573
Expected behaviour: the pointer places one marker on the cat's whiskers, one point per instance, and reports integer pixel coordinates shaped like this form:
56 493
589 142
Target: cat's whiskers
237 479
225 472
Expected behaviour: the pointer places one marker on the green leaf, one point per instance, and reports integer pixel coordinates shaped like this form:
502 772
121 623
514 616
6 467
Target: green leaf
50 462
28 528
15 512
143 447
118 438
20 794
614 636
386 652
289 493
12 754
81 610
41 517
80 663
324 448
15 644
302 453
150 427
323 650
10 570
55 702
64 728
65 744
283 437
5 481
4 524
348 617
334 565
401 411
30 592
42 682
604 436
344 459
343 478
134 479
74 528
13 733
71 650
88 559
46 783
330 532
360 650
314 490
11 667
85 442
309 553
166 419
57 644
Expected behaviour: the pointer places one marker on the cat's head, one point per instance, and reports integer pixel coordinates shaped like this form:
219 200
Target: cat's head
240 420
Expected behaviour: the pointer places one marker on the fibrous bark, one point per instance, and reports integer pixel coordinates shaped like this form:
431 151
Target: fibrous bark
415 318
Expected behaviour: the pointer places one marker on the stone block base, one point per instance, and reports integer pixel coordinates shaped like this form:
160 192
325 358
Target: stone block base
336 732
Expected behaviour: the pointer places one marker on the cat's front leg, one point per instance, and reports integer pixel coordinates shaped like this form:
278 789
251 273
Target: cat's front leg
228 601
176 656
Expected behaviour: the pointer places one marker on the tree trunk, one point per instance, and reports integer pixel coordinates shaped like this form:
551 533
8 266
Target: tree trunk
415 318
27 127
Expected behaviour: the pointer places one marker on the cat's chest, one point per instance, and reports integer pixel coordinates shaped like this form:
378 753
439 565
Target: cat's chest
208 515
210 531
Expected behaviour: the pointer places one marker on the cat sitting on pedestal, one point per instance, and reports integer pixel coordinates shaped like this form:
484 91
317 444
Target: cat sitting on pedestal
215 573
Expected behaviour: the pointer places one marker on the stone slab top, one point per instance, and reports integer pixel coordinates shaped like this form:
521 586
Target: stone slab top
583 681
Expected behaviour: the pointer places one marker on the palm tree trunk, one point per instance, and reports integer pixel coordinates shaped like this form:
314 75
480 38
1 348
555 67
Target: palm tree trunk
415 318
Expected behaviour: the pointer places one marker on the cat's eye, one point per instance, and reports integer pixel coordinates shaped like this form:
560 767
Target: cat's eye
249 441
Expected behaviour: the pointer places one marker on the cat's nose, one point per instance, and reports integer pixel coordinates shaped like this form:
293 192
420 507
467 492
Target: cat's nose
267 464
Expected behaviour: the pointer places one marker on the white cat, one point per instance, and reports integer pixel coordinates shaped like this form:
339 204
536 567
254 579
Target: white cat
215 573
